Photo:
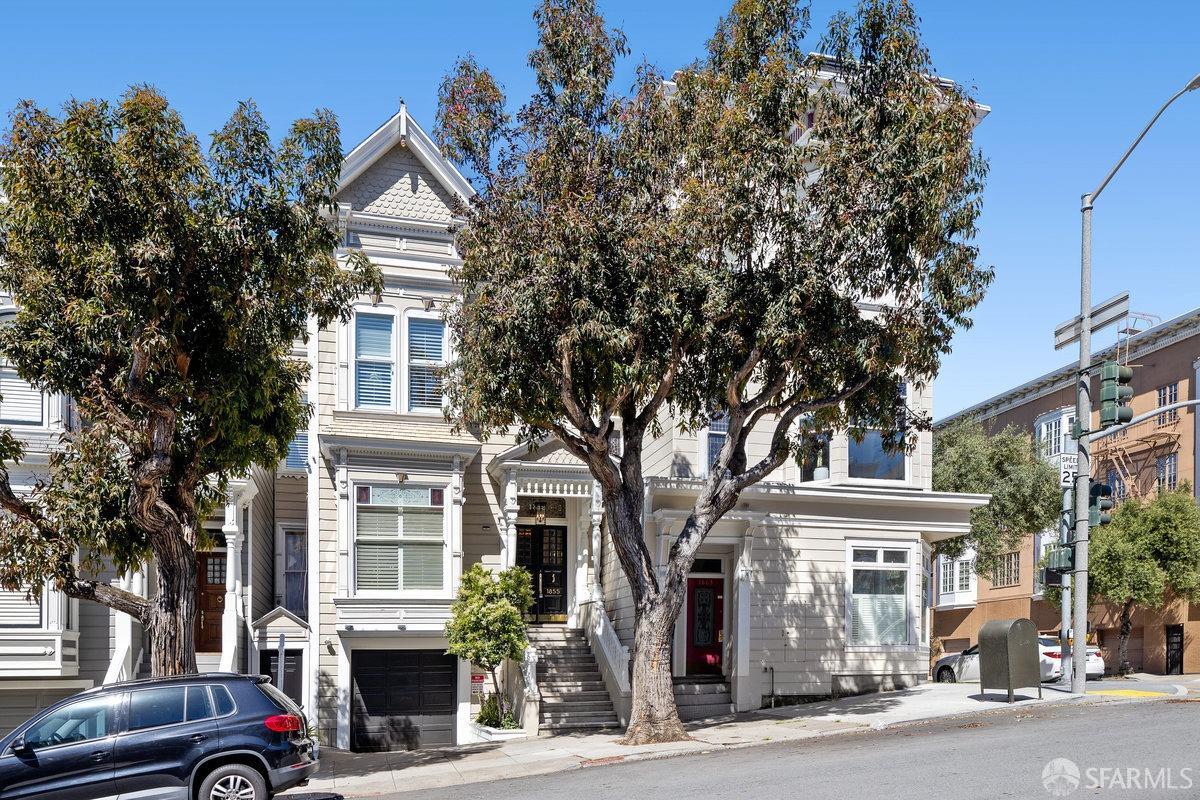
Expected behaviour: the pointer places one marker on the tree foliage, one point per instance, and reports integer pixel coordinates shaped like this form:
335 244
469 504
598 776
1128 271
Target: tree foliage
487 624
703 246
162 288
1026 498
1148 553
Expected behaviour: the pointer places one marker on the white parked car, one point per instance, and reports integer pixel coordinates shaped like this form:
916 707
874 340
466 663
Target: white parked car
1052 667
964 666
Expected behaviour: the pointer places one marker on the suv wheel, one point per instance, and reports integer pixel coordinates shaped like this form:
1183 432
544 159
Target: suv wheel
234 782
945 675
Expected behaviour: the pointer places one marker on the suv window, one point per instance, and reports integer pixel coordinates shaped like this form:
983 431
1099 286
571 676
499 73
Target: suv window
280 699
76 722
150 708
222 699
199 706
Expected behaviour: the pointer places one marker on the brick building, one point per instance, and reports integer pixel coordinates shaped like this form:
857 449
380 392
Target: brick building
1158 453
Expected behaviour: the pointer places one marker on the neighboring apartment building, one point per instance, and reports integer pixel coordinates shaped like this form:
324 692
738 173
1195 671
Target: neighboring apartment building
1136 462
352 550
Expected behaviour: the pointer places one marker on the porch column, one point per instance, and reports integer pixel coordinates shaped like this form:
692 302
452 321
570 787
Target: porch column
511 507
344 522
231 621
456 509
597 516
746 695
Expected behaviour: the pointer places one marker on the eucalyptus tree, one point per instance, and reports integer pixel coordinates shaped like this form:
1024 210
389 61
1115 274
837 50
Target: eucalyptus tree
162 289
776 238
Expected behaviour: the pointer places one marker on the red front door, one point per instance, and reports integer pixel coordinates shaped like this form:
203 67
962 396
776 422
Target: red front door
705 625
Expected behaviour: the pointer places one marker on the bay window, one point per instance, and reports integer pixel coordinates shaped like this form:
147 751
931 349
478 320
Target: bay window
880 611
399 541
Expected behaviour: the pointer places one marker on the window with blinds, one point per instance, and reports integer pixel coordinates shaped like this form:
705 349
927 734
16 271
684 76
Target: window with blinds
399 538
879 607
426 358
373 361
20 403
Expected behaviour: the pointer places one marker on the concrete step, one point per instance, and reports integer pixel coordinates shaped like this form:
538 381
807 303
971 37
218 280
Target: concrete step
701 700
706 687
573 695
555 691
556 659
559 706
551 728
723 714
585 719
551 673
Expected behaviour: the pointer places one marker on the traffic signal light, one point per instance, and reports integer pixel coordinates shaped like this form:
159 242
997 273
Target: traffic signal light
1060 559
1115 392
1099 504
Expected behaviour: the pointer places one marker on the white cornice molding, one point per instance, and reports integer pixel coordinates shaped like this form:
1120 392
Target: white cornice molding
402 128
423 449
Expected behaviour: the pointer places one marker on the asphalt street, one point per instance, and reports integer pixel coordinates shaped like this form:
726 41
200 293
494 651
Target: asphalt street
1118 749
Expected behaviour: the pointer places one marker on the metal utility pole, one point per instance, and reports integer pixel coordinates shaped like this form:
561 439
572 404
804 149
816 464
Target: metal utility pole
1083 411
1064 631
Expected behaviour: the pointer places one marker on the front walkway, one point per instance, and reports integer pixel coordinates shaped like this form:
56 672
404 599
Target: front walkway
365 774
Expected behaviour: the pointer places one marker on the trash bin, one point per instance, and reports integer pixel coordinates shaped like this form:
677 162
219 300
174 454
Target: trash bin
1008 656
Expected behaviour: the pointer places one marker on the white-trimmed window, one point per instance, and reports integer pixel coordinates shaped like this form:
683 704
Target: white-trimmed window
965 568
399 538
426 358
880 596
295 571
1008 570
20 403
946 585
1051 437
1168 395
1168 472
1114 479
374 360
871 459
714 440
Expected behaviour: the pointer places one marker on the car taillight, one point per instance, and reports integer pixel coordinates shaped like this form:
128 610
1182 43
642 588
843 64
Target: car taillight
1054 653
282 723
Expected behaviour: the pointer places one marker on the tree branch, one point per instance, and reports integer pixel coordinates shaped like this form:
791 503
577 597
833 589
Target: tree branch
106 594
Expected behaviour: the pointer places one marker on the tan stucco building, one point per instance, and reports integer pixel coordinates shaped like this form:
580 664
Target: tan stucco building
1136 462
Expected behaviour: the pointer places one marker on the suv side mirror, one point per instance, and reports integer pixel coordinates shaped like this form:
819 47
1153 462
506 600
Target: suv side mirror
19 745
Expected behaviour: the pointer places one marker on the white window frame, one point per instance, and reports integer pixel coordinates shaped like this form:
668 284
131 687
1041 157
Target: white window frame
911 594
7 312
946 569
353 359
406 361
1166 472
908 456
1003 564
1168 394
281 531
447 556
964 568
702 447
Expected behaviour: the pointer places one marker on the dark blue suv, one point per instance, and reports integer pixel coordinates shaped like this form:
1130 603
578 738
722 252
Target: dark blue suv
217 736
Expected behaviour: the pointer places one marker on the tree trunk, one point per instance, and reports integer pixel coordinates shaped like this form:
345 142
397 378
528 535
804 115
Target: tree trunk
1126 628
170 620
654 717
499 698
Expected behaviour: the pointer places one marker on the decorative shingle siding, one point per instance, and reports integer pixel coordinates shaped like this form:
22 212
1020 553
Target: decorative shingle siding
399 185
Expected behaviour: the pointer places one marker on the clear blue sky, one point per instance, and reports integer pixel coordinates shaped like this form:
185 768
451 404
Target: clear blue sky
1070 84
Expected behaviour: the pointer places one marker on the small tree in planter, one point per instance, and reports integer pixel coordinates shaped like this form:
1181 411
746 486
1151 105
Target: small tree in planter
486 625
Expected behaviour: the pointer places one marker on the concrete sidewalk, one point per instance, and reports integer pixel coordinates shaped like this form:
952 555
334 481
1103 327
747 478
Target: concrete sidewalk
364 774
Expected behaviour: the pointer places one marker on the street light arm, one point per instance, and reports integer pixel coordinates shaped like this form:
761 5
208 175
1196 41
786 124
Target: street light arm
1193 84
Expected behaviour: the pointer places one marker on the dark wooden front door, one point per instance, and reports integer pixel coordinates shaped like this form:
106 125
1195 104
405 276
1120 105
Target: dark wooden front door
210 601
705 625
1174 649
542 549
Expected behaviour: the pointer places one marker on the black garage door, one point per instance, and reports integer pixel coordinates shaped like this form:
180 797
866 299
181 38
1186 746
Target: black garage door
402 699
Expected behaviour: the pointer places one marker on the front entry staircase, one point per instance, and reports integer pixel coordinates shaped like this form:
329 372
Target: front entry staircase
703 697
574 697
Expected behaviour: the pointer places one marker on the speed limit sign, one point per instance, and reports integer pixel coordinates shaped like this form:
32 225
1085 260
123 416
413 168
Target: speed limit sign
1068 470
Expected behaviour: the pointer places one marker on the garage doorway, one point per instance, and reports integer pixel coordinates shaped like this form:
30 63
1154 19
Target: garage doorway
402 699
